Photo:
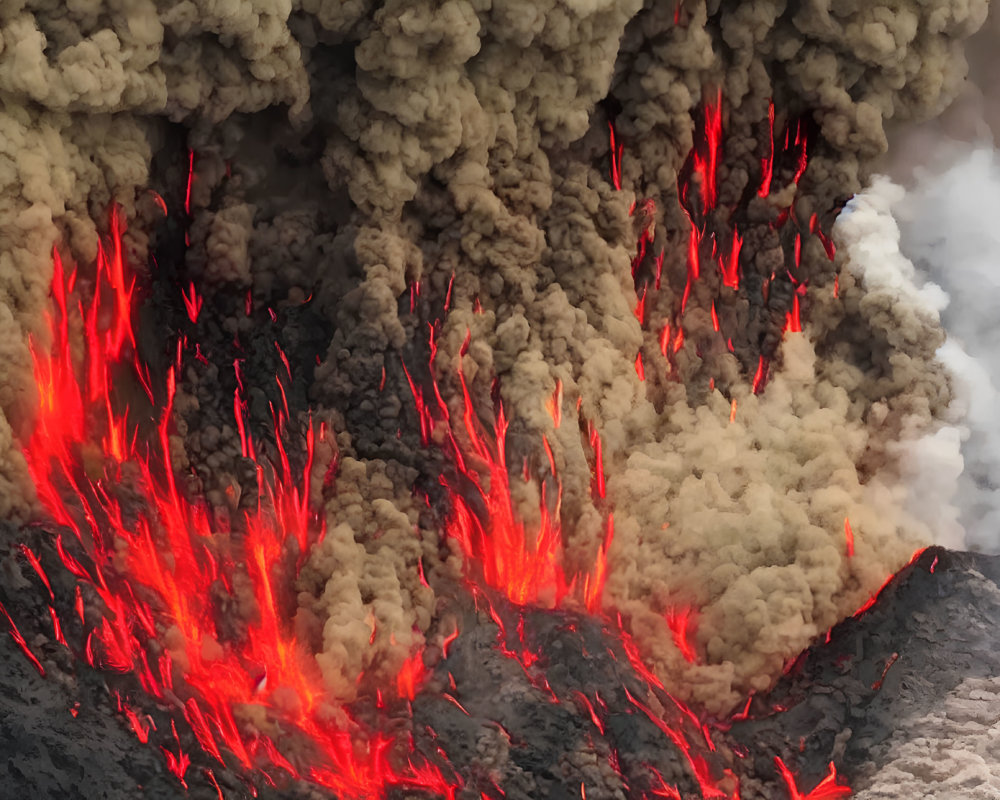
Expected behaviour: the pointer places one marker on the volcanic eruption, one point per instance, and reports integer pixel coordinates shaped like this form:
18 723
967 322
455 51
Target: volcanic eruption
463 399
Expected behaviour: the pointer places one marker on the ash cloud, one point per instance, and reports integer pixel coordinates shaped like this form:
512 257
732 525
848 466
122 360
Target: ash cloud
420 141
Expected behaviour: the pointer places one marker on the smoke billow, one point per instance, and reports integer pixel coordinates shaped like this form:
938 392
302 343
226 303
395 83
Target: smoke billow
948 229
355 164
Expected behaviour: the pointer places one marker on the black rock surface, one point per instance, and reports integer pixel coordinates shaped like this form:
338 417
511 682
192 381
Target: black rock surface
934 626
528 730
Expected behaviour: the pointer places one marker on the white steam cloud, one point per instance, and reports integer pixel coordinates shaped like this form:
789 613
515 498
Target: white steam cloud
930 462
936 250
950 226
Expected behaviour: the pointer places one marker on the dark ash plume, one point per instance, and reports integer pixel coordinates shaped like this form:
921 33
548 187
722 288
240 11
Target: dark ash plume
347 153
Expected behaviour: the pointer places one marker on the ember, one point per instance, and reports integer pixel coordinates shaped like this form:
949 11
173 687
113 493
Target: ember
174 558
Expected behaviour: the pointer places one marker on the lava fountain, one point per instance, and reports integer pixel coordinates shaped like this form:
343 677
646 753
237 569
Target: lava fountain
514 373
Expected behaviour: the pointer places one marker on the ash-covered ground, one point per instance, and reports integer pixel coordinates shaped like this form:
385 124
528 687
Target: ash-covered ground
901 698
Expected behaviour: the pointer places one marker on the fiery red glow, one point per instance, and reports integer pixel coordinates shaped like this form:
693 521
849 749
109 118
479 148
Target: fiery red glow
190 181
554 404
788 152
640 306
155 569
826 789
767 163
526 565
706 783
793 320
682 622
706 159
173 556
192 303
760 377
617 151
160 202
18 638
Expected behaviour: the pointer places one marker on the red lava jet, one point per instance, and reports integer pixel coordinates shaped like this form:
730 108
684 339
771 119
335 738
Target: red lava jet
156 565
698 194
158 562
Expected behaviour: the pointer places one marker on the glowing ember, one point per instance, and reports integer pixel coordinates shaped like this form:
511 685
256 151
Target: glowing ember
706 241
174 556
190 181
767 163
826 789
681 622
526 565
730 267
617 149
18 638
760 378
698 765
706 165
192 303
554 404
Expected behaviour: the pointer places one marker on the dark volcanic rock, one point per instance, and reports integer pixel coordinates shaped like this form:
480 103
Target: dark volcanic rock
61 736
916 665
526 692
46 752
884 679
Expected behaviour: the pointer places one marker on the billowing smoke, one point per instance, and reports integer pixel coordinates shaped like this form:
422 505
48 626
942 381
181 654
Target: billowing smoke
928 456
948 230
352 158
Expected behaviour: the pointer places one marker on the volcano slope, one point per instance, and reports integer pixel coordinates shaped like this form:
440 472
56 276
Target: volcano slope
901 697
904 695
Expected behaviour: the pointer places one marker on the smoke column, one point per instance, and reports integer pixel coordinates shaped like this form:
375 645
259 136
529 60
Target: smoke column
949 168
948 230
356 164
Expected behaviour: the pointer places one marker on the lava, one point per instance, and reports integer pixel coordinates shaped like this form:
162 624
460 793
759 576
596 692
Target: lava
706 165
788 150
826 789
767 162
525 564
681 622
156 564
174 556
18 638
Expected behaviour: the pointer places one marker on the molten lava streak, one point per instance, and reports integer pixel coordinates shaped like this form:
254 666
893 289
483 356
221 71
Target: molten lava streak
712 233
500 551
158 564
